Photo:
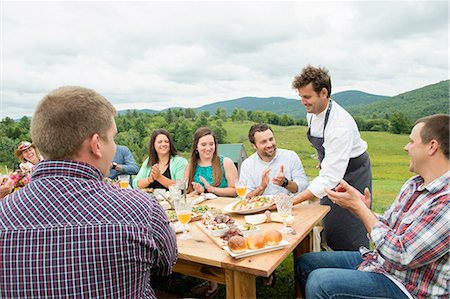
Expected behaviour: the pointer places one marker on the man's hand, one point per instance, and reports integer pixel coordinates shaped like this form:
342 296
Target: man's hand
348 197
279 179
265 179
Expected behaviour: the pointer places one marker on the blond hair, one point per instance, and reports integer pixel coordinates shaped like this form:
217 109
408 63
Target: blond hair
66 117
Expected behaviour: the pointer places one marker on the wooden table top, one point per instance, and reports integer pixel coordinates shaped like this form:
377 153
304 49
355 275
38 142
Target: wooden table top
201 249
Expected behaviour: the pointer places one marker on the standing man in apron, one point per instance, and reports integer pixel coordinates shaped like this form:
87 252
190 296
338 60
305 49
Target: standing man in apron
342 155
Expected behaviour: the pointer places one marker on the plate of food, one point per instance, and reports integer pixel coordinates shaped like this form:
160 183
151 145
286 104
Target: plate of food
196 214
251 205
239 247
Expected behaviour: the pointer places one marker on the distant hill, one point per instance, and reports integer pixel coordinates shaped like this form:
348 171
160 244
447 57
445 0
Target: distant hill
291 107
148 111
351 98
414 104
277 105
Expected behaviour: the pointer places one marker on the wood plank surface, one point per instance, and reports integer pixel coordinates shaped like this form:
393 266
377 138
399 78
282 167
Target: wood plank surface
201 257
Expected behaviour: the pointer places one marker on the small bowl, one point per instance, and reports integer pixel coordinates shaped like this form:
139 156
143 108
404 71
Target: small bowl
220 230
249 232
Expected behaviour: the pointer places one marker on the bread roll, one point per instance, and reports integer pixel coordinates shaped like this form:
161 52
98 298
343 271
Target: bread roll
256 242
273 237
237 244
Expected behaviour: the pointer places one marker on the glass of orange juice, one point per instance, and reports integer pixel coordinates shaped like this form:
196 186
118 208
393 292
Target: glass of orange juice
241 188
124 181
183 208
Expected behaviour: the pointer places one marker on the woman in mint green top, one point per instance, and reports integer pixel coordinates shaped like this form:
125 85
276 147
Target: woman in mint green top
163 166
207 171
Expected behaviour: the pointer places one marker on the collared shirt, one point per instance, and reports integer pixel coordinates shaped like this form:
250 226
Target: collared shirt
125 158
342 142
412 239
253 166
68 234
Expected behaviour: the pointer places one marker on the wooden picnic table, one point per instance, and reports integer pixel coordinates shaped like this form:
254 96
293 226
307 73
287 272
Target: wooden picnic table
202 258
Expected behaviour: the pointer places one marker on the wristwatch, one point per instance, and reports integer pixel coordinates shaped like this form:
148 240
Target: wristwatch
114 165
285 182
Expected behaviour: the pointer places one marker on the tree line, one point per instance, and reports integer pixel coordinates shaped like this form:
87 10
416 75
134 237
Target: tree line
134 128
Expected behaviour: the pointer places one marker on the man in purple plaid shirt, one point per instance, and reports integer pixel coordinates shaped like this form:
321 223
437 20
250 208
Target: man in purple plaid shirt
411 240
68 234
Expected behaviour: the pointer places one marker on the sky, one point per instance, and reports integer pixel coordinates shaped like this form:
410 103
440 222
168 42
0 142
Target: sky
156 55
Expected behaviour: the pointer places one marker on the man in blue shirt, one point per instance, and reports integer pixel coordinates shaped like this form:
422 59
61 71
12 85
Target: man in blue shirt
123 163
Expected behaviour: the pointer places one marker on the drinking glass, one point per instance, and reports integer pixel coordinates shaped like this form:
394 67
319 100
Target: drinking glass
241 188
183 208
124 181
284 209
181 185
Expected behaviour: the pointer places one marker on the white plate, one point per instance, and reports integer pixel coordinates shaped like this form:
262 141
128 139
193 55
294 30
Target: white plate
247 233
228 208
250 252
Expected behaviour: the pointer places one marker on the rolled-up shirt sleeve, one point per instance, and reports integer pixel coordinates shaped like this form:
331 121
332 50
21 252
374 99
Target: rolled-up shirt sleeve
337 156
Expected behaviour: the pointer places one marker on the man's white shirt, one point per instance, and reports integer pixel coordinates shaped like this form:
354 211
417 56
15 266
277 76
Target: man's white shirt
252 168
342 142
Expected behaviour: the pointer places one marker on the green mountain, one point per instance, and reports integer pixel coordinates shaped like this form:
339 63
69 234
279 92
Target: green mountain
351 98
293 107
430 99
413 104
277 105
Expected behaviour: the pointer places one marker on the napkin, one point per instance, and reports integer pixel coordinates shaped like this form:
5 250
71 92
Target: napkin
178 227
198 200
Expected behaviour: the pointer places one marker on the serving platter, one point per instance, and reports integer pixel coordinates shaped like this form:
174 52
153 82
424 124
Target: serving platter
256 204
250 252
196 214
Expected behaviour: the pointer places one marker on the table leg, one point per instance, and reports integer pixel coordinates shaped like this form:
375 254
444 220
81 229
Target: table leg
240 285
305 246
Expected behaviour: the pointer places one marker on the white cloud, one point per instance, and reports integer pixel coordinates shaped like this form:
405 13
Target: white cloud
160 54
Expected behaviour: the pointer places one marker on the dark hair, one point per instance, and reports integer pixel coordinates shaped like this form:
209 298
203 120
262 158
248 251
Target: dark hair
152 154
215 163
257 128
319 78
435 127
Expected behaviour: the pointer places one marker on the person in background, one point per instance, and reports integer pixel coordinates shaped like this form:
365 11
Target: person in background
70 234
271 170
342 154
123 163
28 155
411 240
163 165
207 171
6 186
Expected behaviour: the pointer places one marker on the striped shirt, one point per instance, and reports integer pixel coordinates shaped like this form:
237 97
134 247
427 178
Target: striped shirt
412 240
68 234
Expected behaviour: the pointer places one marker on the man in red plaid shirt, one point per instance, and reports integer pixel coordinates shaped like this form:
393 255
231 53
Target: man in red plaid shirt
411 240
